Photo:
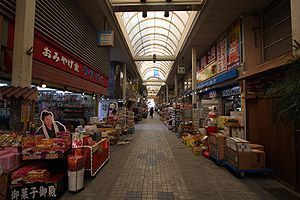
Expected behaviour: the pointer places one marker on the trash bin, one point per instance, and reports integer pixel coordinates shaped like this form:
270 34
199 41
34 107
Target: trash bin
76 180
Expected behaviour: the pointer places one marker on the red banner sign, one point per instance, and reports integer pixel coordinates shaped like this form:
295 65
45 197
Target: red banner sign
233 45
57 57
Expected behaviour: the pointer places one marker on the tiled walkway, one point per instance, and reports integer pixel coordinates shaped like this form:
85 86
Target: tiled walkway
156 165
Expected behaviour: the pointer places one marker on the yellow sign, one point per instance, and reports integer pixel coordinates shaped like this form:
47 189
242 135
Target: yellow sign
207 73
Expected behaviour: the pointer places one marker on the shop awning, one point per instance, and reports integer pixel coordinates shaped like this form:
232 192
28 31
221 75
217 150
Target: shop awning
8 92
271 64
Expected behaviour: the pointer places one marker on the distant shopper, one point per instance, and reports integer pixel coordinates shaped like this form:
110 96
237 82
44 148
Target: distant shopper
49 127
151 111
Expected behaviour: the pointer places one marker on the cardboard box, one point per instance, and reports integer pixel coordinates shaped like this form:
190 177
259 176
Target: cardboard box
217 150
245 160
231 156
217 138
257 147
240 160
258 159
237 144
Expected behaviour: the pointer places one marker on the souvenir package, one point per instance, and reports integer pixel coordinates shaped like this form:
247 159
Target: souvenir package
10 140
37 147
9 158
21 175
75 163
37 175
77 140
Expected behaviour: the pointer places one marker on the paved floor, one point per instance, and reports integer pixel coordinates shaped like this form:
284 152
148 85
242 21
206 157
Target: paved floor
156 165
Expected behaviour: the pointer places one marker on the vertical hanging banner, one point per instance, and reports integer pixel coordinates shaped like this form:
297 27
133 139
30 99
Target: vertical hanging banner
233 45
222 54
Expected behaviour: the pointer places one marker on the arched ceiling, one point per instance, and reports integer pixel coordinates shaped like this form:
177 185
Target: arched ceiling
155 34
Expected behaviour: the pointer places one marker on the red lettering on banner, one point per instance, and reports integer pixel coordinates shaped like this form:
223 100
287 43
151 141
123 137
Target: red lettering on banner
48 53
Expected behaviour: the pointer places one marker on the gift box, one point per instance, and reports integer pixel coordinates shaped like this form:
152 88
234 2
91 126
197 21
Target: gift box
19 176
9 161
75 163
37 175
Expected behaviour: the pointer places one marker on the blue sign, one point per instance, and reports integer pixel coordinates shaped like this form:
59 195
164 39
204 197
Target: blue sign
105 38
218 79
231 92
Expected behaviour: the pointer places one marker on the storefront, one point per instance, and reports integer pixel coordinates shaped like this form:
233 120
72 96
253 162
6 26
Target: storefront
222 92
59 62
71 109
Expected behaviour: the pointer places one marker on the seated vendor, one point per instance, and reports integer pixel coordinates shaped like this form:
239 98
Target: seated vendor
49 127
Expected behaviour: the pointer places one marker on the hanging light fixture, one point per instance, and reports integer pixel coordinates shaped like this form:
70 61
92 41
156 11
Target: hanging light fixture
144 14
167 14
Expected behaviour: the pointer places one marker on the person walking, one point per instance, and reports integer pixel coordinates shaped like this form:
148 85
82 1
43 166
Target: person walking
151 111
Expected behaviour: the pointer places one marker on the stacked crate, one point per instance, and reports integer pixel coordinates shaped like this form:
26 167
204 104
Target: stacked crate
130 121
196 118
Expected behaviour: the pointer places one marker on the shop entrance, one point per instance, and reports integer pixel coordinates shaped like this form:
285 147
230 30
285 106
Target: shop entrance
71 109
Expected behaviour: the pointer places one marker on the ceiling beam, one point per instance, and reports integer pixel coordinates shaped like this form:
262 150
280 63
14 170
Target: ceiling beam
158 58
154 81
157 6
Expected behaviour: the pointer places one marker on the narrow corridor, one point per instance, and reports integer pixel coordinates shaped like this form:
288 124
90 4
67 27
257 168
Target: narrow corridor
156 165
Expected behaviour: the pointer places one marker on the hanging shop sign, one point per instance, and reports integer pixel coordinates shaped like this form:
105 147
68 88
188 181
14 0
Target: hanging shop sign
221 54
212 94
181 69
105 39
233 45
57 57
218 79
231 92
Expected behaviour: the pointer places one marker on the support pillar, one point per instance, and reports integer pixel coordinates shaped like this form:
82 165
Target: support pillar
23 43
22 61
175 88
167 93
295 18
194 64
124 82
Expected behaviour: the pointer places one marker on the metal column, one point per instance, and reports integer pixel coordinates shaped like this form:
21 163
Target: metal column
194 63
124 82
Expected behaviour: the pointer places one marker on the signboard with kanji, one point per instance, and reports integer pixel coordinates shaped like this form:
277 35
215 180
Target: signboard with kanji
34 191
62 59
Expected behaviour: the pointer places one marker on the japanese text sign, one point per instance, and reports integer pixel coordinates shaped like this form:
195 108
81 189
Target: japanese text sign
59 58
